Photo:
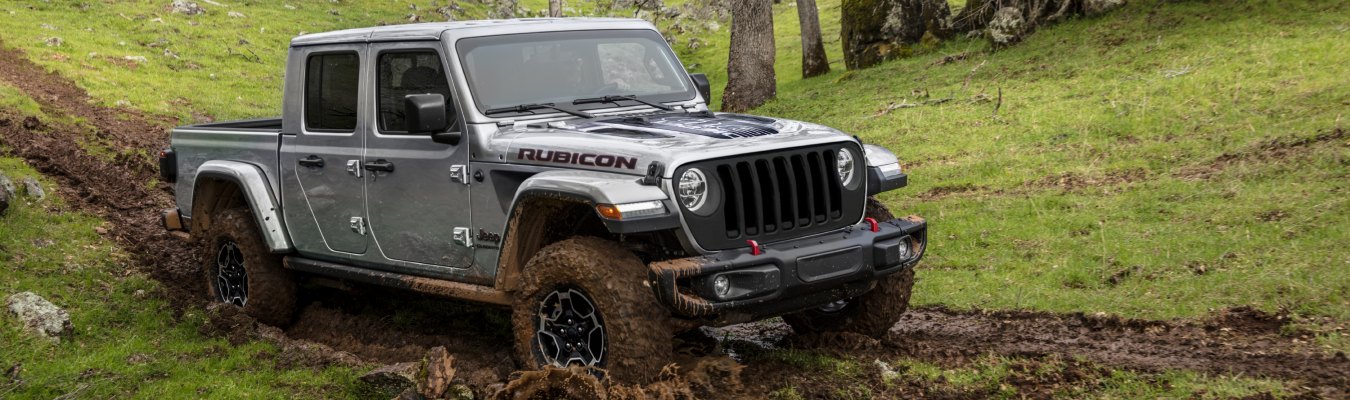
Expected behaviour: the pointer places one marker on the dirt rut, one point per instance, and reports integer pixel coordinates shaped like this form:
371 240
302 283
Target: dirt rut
1240 342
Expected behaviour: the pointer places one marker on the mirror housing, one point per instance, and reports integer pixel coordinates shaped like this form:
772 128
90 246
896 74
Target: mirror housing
424 113
704 87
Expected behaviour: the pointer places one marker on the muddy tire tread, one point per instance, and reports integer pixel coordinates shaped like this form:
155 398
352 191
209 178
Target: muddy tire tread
639 329
271 288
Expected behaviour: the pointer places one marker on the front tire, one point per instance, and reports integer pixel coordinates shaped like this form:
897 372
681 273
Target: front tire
241 271
585 301
872 314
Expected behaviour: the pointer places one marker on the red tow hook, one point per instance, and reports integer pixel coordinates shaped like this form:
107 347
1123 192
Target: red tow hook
873 221
754 247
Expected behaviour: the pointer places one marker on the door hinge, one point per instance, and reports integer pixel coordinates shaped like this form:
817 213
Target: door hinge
463 236
458 173
354 167
359 225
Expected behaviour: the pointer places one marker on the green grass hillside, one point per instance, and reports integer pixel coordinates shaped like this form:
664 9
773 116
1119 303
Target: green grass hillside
126 341
1161 161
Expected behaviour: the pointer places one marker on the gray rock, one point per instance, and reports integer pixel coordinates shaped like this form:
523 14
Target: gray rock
1007 27
4 201
186 8
40 316
54 41
392 380
33 188
235 14
7 186
1098 7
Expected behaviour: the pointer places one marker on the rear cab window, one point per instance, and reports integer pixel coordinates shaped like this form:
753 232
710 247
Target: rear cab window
332 81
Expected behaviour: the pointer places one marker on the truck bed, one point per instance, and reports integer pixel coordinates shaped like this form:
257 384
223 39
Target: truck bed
251 141
258 124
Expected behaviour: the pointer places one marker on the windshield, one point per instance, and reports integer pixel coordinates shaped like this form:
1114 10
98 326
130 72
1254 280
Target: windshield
560 67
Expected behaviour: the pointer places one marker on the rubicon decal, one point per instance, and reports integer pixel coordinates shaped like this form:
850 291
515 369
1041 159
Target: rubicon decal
567 157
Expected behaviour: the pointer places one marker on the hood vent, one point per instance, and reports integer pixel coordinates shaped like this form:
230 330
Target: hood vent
724 126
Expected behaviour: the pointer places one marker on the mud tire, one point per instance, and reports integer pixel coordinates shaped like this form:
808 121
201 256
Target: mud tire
638 329
271 288
872 314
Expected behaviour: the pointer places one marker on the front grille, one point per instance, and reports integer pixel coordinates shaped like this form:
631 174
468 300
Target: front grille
775 196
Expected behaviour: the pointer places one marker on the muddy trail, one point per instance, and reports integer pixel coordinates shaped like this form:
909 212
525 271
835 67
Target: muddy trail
367 326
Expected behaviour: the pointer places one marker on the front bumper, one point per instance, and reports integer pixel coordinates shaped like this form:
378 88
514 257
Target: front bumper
791 275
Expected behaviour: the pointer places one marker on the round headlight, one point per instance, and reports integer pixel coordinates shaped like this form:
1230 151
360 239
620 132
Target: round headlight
693 189
844 161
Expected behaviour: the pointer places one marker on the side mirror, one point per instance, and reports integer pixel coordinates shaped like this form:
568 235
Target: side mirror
424 113
704 87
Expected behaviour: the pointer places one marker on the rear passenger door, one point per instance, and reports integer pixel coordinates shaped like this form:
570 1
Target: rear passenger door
417 190
324 157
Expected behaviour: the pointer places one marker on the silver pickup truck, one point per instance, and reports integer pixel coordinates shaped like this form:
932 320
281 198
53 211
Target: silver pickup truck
568 169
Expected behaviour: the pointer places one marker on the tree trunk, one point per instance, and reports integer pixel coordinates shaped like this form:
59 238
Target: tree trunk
555 8
878 30
750 76
814 62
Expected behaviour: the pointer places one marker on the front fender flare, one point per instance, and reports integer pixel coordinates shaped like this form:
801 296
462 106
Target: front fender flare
252 182
594 188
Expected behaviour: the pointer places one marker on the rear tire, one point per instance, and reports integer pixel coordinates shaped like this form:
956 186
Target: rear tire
872 314
242 271
571 287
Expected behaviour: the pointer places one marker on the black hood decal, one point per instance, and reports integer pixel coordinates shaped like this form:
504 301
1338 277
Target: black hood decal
725 126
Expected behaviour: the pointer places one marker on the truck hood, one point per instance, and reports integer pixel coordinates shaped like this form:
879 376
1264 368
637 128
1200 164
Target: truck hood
628 144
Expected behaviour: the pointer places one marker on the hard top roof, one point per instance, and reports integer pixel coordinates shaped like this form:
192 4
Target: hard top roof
433 30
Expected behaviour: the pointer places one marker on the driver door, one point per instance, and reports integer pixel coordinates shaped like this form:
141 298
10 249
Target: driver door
414 202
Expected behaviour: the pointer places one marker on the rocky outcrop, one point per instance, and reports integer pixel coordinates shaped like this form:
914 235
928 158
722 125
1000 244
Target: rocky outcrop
33 188
1098 7
186 8
40 316
1006 28
877 30
7 186
431 378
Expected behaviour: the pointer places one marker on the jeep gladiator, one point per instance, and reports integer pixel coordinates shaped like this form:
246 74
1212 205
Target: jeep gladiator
568 169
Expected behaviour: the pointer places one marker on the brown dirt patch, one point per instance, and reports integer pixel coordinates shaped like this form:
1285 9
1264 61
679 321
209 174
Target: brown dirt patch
1236 341
1272 150
115 190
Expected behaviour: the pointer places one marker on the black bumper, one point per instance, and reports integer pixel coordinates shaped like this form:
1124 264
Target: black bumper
791 275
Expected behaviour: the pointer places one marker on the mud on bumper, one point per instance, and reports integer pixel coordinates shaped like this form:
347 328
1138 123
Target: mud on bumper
788 276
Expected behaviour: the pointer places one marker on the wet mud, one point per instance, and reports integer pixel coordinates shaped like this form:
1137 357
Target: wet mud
371 326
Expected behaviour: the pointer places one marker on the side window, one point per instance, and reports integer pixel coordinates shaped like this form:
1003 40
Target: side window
400 74
331 83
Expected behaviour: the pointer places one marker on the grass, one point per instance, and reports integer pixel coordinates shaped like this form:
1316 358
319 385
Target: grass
1130 106
195 67
126 342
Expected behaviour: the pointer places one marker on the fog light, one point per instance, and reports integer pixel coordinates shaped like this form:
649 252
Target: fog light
906 248
721 286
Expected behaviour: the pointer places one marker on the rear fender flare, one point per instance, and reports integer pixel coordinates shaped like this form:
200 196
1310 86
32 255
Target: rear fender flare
252 184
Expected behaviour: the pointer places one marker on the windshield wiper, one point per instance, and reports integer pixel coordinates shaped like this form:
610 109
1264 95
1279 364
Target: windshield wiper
537 106
616 98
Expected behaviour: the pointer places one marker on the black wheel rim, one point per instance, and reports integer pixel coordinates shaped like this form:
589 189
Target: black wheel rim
570 330
231 278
